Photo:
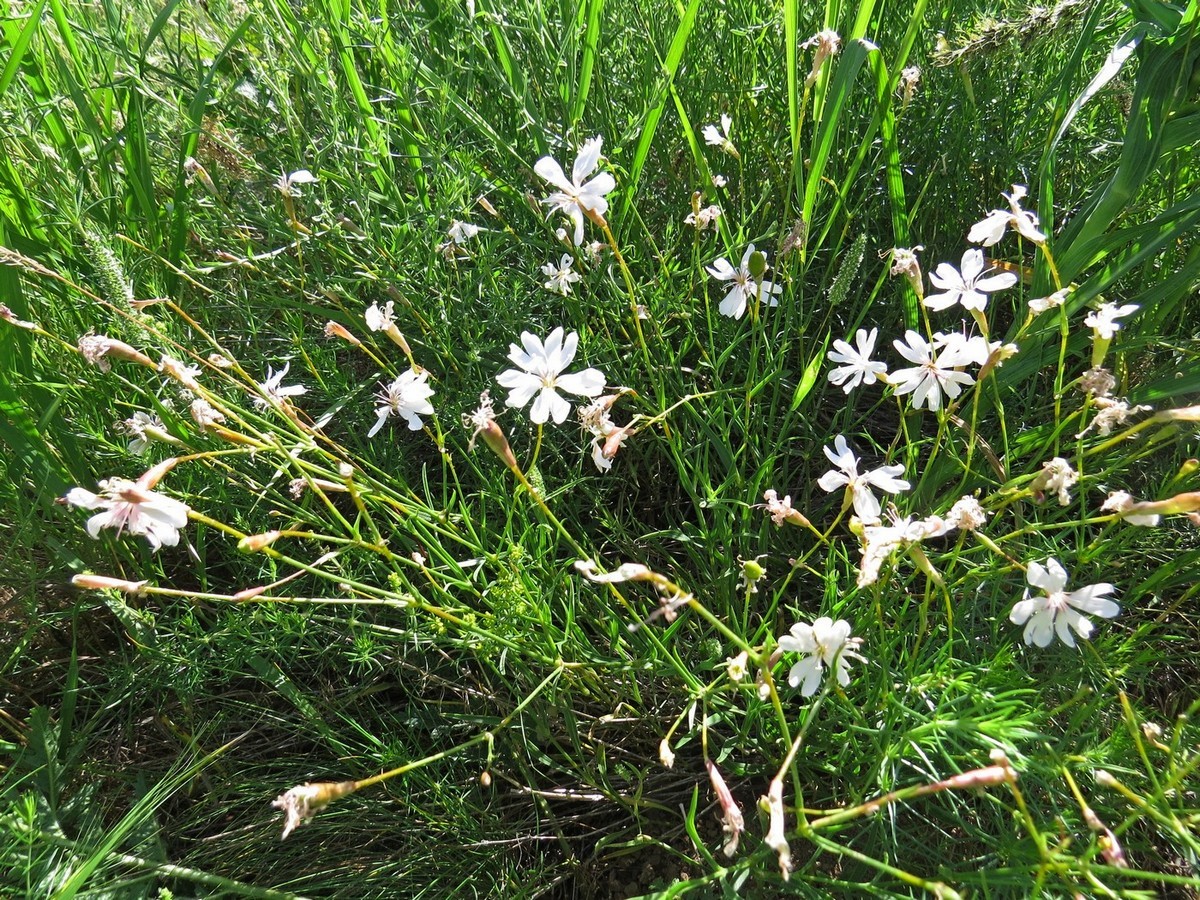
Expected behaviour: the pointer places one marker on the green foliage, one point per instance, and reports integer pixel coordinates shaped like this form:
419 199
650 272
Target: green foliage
404 611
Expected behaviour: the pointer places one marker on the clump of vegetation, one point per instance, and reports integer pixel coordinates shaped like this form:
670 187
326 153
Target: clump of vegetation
599 454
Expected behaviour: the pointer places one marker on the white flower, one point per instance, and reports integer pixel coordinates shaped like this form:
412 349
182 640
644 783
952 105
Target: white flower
380 318
286 184
719 181
720 138
1056 477
184 374
1057 612
736 667
975 349
1103 321
561 275
407 397
577 198
931 376
542 375
703 218
969 287
857 366
129 507
732 821
866 507
782 511
205 414
461 232
992 228
826 43
744 286
967 514
880 541
301 803
825 644
1112 412
1039 305
1121 502
142 428
274 391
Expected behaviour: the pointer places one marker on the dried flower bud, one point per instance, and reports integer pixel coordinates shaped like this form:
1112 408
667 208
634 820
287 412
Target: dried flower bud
665 754
304 801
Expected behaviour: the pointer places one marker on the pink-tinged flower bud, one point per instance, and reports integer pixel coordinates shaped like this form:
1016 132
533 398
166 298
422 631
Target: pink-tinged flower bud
776 838
104 583
154 476
11 318
97 348
732 821
334 329
255 542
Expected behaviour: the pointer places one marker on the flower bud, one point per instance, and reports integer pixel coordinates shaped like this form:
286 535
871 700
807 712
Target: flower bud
255 542
104 583
335 329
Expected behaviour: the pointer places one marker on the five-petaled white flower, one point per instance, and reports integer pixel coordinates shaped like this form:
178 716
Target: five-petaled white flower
969 287
825 644
561 275
129 507
932 374
577 198
1059 611
1103 320
857 366
720 138
542 375
407 397
992 228
846 475
272 388
744 286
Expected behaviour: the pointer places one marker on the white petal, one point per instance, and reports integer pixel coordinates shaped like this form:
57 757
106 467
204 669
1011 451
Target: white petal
832 480
521 386
972 265
602 184
543 405
1022 610
721 270
734 304
549 169
98 521
865 505
585 162
996 282
1091 599
588 383
383 412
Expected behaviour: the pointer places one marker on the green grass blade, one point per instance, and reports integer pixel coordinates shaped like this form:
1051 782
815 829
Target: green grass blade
670 66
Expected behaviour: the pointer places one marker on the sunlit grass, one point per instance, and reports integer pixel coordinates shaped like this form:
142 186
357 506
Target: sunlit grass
543 656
